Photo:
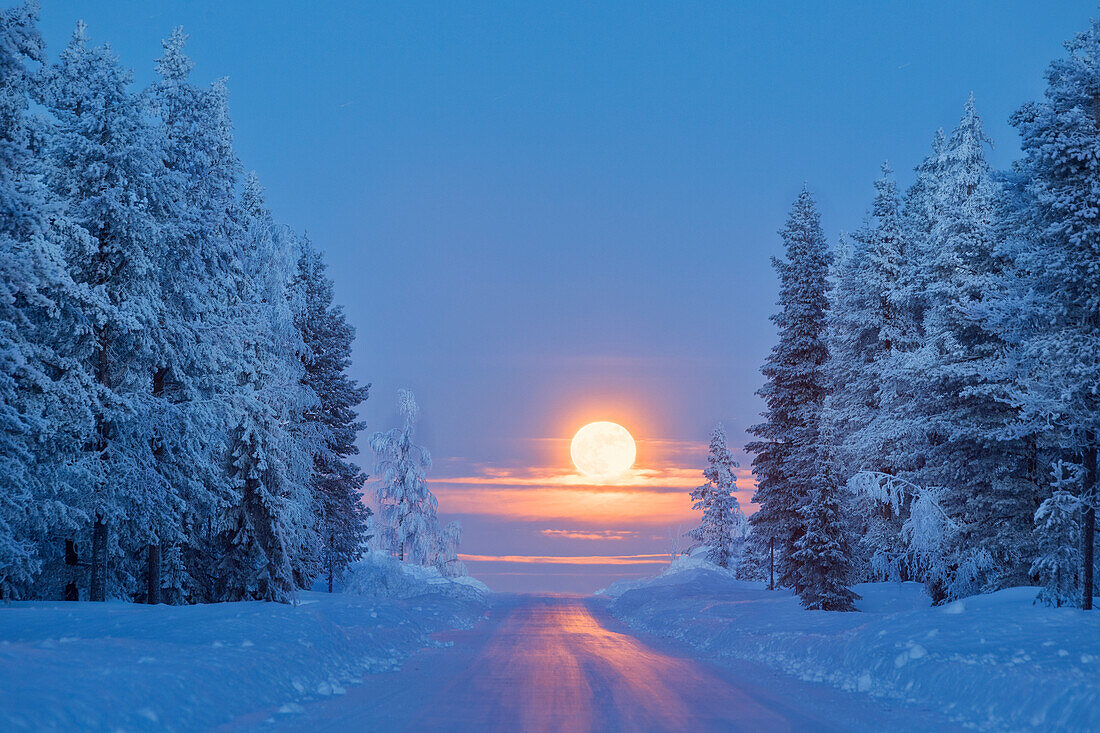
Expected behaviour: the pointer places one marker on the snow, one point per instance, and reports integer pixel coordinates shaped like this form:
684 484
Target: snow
997 660
380 574
126 666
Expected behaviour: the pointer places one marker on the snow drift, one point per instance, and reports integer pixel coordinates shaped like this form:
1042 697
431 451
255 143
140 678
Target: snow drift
990 661
117 666
382 575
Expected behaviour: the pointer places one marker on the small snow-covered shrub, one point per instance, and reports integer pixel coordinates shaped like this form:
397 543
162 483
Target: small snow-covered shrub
381 575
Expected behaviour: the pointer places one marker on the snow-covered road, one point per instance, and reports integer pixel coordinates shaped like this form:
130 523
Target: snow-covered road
554 663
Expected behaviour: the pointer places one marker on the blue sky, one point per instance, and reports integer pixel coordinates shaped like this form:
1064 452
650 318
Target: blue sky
538 214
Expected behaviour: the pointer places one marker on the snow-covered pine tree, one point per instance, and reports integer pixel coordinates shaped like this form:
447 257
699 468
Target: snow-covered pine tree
266 541
46 395
918 216
337 482
193 375
964 381
1058 137
823 554
104 160
786 461
408 508
723 528
868 326
1058 533
877 531
872 325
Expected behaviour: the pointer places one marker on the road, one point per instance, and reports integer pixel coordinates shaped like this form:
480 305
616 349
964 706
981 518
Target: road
554 663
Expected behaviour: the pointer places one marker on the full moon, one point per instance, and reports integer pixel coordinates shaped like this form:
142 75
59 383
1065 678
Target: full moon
603 450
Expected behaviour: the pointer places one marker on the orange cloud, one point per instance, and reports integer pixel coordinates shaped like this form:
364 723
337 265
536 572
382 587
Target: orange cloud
597 506
655 507
654 493
541 477
570 559
592 534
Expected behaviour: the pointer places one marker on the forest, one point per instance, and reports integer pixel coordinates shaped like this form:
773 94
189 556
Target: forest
933 400
176 418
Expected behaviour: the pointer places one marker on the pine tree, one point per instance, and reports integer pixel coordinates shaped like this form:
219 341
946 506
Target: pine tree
873 326
336 480
46 395
1058 561
724 525
964 379
104 160
408 508
266 540
868 327
823 554
918 216
1058 137
193 374
786 462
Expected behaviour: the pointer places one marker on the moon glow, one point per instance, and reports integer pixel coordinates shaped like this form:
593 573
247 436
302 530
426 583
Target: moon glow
603 450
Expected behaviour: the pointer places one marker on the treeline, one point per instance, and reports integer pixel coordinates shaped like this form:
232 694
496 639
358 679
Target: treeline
933 401
176 417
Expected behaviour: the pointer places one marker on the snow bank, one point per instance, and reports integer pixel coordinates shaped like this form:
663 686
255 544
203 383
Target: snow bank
680 564
120 666
991 661
380 575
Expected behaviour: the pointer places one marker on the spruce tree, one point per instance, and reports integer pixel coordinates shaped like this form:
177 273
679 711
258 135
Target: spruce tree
1058 561
786 462
869 326
408 507
964 381
823 554
337 482
723 525
873 325
193 375
266 540
1062 293
104 160
46 395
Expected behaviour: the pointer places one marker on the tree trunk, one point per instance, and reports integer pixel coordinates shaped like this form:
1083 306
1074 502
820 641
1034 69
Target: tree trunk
72 560
331 561
771 563
97 585
152 576
97 588
1088 526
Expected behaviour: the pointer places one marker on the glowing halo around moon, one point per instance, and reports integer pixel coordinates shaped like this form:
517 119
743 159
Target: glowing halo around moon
603 450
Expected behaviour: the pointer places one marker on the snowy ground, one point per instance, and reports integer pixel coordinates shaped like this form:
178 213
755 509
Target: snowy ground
554 663
120 666
550 663
995 661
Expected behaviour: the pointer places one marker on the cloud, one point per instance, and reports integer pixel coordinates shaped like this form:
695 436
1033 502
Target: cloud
652 494
660 559
665 477
590 534
573 505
